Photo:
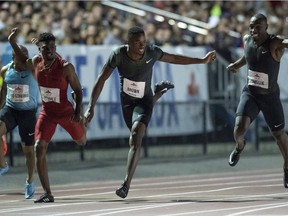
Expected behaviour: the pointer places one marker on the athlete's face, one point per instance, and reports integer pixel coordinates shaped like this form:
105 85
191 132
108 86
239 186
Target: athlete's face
137 44
47 50
257 29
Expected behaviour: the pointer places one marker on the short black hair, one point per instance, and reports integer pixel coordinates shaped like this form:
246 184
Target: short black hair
46 36
134 31
260 17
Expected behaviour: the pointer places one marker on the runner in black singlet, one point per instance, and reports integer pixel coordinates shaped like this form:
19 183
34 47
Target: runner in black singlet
262 54
135 63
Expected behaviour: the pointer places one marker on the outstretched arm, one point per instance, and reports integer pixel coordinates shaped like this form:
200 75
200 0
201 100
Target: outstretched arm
233 67
97 89
185 60
18 52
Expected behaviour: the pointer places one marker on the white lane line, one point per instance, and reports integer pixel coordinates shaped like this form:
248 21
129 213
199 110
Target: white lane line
278 205
227 209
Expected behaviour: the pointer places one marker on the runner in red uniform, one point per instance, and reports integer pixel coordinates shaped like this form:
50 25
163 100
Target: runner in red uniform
53 74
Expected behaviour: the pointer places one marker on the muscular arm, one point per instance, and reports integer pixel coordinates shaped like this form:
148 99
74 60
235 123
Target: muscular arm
233 67
185 60
73 80
18 52
277 48
97 89
3 87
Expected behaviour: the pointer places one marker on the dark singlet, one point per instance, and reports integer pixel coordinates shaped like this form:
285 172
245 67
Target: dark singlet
263 70
53 88
135 76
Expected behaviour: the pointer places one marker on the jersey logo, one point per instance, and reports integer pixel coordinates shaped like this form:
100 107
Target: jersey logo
264 51
276 126
148 61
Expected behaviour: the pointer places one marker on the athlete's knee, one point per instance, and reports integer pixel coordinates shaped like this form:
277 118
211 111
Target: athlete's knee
137 133
40 148
279 135
28 151
138 129
3 129
82 141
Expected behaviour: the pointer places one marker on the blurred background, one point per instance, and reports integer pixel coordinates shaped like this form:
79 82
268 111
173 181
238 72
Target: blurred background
198 113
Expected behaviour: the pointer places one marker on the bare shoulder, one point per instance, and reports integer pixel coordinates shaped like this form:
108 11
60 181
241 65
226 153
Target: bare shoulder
67 66
3 70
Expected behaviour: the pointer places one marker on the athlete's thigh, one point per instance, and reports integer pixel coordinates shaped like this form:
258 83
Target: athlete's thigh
8 117
142 113
248 106
127 106
75 129
273 113
45 127
26 125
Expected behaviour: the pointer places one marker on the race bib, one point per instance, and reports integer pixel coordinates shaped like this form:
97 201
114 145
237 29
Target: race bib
258 79
50 94
134 89
18 93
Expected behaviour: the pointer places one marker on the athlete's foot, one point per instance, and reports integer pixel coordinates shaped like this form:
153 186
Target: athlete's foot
163 87
122 191
235 156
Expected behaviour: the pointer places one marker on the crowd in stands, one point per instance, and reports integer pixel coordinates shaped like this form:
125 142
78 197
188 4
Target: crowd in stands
91 23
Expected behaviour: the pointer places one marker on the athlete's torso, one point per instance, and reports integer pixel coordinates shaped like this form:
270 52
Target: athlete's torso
53 87
22 89
263 70
135 76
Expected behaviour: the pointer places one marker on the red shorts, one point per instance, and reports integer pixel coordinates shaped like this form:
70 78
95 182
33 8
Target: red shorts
46 126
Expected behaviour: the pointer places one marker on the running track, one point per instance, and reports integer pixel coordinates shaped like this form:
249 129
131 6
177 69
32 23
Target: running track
232 194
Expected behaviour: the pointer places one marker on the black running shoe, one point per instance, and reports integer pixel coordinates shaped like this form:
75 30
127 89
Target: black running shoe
122 191
45 198
285 179
235 155
163 87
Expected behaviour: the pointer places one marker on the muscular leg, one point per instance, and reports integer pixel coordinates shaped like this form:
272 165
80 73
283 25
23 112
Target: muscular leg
241 126
83 139
30 161
135 141
41 164
282 142
3 130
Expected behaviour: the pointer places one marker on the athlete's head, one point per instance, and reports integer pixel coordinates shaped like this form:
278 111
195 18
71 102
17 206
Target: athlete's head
23 49
47 45
136 41
258 27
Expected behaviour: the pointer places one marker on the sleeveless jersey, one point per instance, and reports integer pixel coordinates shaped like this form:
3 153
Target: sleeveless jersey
22 89
53 88
135 76
263 70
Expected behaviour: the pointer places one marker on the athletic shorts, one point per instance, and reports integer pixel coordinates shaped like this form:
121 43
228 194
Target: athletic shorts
46 126
251 104
24 119
135 109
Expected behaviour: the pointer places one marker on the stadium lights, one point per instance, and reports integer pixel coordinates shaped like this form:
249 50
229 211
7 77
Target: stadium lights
159 18
140 9
124 8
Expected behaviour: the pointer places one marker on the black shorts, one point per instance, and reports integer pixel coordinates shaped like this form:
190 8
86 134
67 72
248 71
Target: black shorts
251 104
24 119
135 109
